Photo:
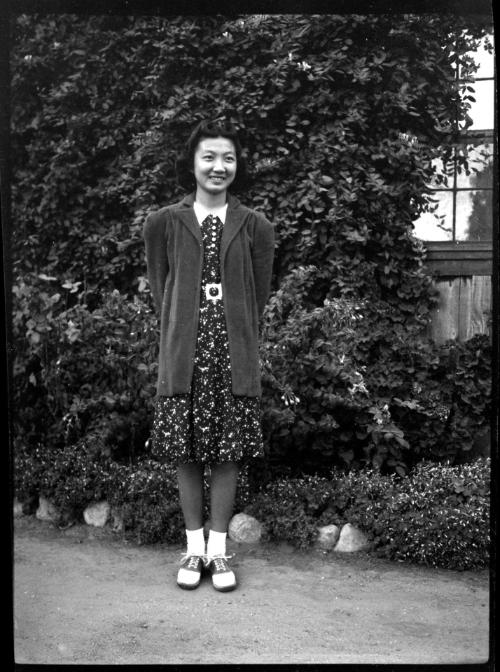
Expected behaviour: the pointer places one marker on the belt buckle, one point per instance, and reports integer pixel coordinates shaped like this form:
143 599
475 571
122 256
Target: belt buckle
213 291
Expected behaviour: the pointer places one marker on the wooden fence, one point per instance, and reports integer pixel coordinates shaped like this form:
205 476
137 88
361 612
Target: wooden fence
462 276
464 308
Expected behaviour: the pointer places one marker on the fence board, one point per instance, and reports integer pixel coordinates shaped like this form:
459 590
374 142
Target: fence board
463 308
481 305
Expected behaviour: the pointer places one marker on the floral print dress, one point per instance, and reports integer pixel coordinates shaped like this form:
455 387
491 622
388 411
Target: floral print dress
209 425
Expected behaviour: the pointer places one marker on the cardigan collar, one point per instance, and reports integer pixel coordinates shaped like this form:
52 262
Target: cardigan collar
234 219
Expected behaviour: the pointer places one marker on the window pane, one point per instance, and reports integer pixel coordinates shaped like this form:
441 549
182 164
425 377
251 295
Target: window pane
474 215
481 111
486 64
480 167
437 225
483 59
443 174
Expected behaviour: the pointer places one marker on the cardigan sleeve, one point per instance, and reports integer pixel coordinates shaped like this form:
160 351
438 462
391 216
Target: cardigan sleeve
262 260
156 256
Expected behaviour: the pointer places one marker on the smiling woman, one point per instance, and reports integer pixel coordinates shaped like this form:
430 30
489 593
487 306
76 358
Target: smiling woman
220 156
214 170
209 264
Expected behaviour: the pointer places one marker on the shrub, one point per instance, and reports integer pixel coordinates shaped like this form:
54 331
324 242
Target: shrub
446 413
290 508
146 496
102 104
438 515
69 477
90 373
342 137
343 387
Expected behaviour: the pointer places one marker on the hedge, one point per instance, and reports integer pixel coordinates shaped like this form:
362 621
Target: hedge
343 119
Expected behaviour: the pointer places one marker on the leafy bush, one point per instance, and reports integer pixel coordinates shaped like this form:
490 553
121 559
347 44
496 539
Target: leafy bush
342 138
447 414
69 477
344 388
341 116
290 508
93 372
146 496
438 515
318 410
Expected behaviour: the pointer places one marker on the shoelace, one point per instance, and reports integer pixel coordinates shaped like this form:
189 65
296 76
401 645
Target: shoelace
192 560
220 562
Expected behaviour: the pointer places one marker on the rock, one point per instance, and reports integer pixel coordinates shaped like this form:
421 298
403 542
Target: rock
328 536
244 529
97 514
47 511
18 509
351 539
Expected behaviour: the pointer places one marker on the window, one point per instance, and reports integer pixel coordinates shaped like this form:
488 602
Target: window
463 192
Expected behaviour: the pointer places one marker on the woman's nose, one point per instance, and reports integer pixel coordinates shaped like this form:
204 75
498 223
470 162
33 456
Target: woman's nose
219 165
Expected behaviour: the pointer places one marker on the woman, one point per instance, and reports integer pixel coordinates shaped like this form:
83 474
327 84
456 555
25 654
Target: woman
209 262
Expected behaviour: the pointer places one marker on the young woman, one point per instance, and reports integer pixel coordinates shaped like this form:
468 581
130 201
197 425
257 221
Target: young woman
209 261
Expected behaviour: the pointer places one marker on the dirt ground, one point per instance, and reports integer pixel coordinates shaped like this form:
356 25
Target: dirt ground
86 596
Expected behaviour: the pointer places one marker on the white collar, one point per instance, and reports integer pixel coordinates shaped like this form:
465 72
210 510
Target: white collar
202 212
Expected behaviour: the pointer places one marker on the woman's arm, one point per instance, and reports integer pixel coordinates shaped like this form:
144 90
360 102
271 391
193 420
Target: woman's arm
262 260
156 255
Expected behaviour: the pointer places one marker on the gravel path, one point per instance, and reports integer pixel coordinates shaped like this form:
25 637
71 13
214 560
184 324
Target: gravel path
84 596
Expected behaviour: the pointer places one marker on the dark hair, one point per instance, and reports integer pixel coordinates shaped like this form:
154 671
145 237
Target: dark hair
184 166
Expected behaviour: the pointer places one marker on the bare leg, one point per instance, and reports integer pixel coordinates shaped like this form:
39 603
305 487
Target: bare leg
223 482
190 480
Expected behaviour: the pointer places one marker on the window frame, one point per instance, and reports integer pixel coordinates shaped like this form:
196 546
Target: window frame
467 257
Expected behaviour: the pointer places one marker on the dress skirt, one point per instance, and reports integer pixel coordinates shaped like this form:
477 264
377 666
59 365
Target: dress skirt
209 424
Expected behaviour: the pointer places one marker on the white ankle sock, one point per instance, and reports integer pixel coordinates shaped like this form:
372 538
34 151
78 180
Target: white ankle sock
195 542
216 543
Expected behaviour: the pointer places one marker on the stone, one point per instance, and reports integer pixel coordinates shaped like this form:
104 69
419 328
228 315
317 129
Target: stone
47 511
351 539
18 509
97 514
244 529
328 536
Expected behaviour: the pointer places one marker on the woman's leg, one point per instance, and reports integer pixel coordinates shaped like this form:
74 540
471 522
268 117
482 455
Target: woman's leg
190 481
223 482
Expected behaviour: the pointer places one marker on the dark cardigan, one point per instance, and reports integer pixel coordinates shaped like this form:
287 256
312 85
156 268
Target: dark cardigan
174 254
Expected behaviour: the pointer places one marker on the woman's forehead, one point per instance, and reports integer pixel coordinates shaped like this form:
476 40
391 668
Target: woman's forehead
219 145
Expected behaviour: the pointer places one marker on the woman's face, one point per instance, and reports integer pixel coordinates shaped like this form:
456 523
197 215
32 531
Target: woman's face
214 165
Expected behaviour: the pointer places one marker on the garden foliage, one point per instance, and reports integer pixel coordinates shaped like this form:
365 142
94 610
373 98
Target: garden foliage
342 118
437 515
